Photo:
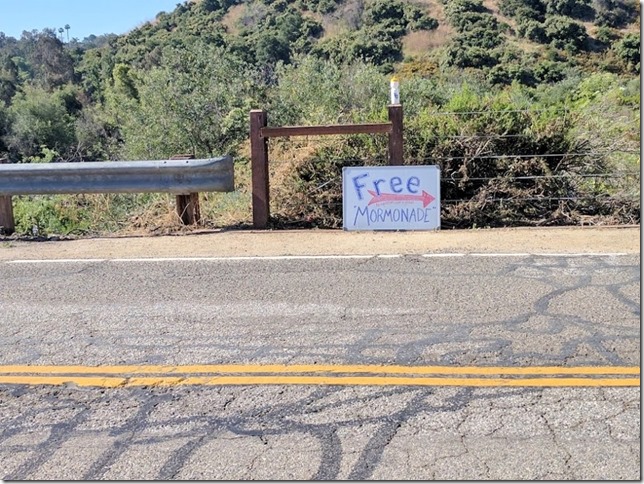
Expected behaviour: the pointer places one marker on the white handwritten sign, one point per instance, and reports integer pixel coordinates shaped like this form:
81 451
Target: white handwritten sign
391 197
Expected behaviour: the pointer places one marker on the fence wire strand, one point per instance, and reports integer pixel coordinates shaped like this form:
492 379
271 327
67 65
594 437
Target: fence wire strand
562 189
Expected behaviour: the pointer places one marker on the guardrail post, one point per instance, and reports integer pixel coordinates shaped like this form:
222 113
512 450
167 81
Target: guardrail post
396 135
7 223
259 167
187 205
188 209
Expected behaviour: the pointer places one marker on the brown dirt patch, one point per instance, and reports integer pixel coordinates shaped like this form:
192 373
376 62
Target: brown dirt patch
334 242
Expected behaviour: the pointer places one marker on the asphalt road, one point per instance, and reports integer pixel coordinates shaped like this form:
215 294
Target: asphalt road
517 311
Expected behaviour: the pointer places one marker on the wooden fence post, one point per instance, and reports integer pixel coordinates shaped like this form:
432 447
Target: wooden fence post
7 223
259 167
187 205
396 135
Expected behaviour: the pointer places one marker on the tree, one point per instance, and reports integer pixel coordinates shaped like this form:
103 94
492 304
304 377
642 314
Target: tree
67 27
3 128
9 79
271 48
52 66
39 119
189 104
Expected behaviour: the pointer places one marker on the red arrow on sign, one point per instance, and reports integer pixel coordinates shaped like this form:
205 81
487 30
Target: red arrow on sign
425 197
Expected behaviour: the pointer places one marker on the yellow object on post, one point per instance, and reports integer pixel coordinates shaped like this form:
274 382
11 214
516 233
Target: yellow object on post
394 87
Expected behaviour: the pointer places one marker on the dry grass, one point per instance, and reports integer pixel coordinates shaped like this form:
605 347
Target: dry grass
332 28
287 156
437 37
345 18
434 9
231 19
217 210
417 43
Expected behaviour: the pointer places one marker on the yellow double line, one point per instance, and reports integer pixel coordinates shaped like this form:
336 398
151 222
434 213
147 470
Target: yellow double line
472 376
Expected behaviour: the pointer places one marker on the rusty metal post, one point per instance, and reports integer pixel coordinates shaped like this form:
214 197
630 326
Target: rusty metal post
7 222
188 209
259 167
396 135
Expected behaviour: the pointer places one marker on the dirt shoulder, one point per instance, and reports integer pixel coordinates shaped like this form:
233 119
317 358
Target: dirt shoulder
333 242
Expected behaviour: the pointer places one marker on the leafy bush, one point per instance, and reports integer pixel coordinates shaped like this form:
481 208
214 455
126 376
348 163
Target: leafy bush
628 50
462 55
320 6
316 91
570 8
468 20
533 30
454 8
505 74
488 146
480 37
217 5
564 33
606 35
523 9
188 105
548 71
39 119
615 13
370 44
417 19
42 215
479 33
388 14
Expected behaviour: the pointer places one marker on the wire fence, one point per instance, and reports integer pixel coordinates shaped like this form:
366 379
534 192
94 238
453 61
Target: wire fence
487 178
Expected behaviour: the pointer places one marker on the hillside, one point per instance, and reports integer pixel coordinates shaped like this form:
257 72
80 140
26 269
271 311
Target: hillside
594 35
185 82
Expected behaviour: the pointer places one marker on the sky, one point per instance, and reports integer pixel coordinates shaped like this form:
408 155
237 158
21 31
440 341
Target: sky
85 17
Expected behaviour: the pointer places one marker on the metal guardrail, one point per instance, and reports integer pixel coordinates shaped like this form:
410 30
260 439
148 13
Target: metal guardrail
184 178
180 177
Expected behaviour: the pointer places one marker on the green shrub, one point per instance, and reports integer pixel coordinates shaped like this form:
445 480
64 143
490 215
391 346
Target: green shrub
570 8
523 9
548 71
417 19
606 35
505 74
615 13
480 37
628 50
462 55
189 104
39 118
454 8
316 91
468 20
320 6
533 30
45 215
385 13
564 33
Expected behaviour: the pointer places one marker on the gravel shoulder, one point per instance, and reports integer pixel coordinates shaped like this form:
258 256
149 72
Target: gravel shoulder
333 242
